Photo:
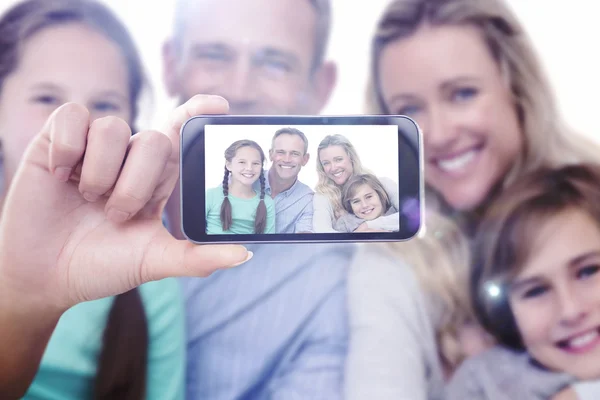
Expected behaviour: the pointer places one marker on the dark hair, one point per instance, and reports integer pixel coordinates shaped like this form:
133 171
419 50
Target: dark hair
291 131
122 364
365 179
260 220
503 241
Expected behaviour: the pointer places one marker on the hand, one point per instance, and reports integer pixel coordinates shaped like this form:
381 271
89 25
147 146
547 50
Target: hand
362 228
82 219
565 394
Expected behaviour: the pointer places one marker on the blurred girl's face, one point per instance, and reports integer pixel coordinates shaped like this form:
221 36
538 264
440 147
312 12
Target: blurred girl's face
556 296
446 80
66 63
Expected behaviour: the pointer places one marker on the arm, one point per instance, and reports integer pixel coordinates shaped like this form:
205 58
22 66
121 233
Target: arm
393 353
164 306
25 329
304 224
588 390
317 371
348 223
322 215
45 210
270 203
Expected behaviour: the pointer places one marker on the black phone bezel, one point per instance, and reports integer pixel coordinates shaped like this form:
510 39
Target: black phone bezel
193 131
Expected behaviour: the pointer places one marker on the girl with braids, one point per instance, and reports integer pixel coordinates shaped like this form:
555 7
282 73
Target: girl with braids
131 346
235 207
467 73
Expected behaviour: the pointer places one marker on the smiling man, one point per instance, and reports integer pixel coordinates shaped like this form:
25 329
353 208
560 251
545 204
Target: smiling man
293 199
275 328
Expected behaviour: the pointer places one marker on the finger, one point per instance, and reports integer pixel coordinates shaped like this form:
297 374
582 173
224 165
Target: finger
197 105
143 169
108 139
68 128
169 257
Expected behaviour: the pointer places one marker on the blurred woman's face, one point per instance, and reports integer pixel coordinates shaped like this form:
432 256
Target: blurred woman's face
556 296
336 163
67 63
447 81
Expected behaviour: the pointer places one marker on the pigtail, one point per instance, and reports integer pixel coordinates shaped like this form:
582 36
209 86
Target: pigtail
260 221
226 218
123 361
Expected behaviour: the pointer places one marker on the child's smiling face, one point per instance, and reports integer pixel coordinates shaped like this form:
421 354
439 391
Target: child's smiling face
555 297
366 203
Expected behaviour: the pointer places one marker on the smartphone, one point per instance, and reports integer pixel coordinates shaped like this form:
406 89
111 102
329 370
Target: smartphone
278 179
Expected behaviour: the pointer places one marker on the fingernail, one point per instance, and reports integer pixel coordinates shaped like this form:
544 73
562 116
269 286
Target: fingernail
63 173
91 197
248 257
117 215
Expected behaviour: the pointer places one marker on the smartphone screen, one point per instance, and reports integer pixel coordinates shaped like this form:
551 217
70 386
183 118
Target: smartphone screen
301 179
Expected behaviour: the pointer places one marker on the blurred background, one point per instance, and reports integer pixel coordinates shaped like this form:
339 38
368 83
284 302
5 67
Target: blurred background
565 34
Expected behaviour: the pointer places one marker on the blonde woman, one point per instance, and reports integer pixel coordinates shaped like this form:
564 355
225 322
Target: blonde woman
337 162
467 73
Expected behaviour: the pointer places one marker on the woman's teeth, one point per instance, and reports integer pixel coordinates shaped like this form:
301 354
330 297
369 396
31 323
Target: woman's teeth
458 162
582 340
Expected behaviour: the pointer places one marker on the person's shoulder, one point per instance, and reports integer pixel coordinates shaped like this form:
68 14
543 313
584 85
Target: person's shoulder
382 256
163 293
497 361
269 201
303 188
214 192
381 264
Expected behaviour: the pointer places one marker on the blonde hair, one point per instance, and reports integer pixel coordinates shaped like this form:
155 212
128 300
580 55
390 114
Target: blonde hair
325 185
547 140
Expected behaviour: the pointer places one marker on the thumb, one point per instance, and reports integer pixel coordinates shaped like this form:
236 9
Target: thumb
169 257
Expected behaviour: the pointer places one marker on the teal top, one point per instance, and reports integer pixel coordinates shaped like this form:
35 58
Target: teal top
69 364
243 212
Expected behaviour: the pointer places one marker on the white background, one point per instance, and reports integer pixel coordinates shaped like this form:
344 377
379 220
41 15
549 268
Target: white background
565 33
383 162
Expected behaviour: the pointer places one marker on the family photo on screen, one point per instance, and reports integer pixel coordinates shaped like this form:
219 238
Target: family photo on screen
342 196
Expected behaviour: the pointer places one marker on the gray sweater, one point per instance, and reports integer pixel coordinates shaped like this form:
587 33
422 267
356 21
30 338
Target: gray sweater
503 374
393 352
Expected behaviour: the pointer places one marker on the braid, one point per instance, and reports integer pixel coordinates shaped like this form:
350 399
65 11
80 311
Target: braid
226 205
260 221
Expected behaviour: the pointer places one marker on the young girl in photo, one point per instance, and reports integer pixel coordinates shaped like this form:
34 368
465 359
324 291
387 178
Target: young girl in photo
536 286
234 206
365 199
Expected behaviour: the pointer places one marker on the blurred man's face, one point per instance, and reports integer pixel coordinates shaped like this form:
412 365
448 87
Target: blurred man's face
257 54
